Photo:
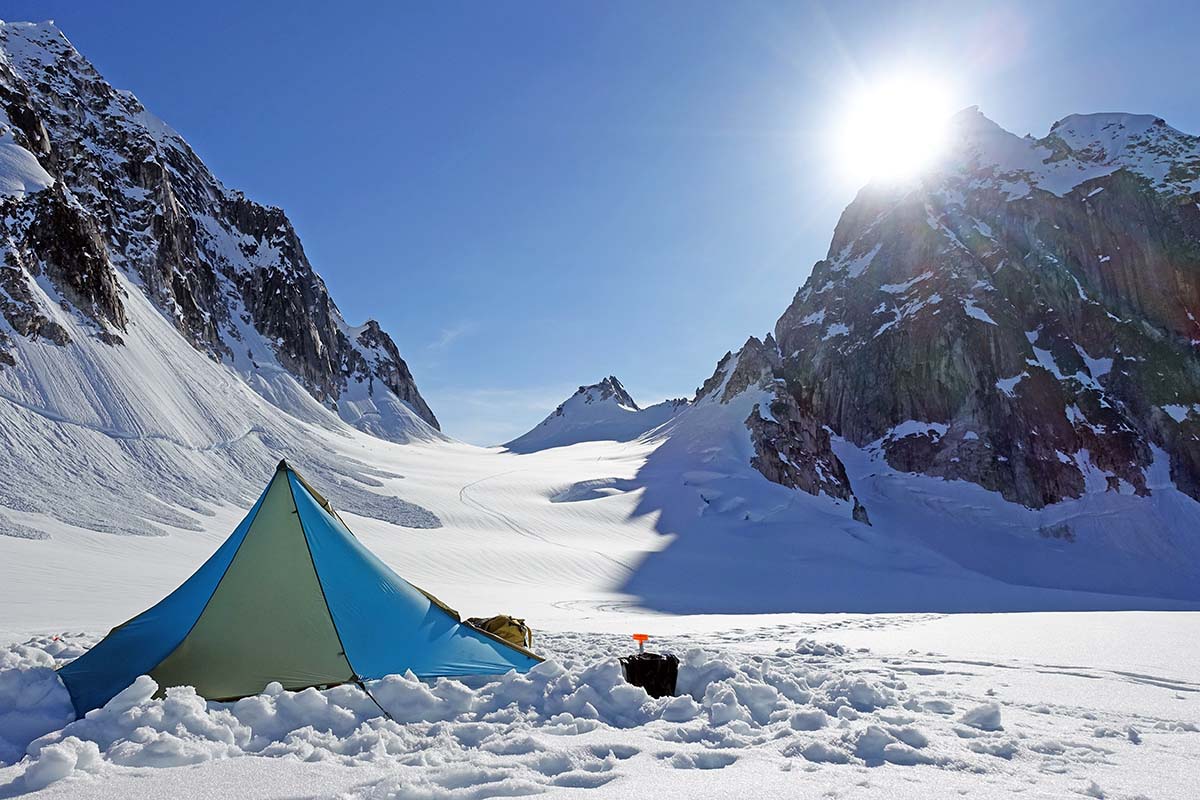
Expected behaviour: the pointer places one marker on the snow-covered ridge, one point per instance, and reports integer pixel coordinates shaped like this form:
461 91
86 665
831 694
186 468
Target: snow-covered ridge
1078 148
603 411
102 199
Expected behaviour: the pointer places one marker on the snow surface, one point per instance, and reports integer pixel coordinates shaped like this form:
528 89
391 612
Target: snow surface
1048 705
593 541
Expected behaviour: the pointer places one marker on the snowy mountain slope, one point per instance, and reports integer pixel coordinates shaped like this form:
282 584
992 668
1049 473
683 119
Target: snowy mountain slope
930 543
603 411
102 202
162 339
995 369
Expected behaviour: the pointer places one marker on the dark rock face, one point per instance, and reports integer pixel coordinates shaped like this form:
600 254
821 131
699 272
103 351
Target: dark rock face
608 389
1024 318
792 446
128 197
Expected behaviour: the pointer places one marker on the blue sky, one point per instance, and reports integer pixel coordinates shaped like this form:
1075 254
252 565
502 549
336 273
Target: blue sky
530 196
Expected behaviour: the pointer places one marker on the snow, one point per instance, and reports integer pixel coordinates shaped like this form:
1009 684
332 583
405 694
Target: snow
859 265
914 428
1097 367
113 125
836 329
815 318
1179 412
20 172
900 288
975 312
596 413
930 705
1140 142
983 154
1045 360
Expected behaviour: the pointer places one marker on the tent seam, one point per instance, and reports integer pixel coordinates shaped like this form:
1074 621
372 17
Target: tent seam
354 676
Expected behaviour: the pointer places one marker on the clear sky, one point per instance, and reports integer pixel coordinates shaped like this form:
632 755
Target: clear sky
530 196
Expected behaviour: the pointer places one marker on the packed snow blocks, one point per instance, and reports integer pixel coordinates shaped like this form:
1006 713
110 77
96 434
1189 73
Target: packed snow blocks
291 597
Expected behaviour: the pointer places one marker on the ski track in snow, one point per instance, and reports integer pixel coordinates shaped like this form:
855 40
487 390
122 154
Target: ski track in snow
513 525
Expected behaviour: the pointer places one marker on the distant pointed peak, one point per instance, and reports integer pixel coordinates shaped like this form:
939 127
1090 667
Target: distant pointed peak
609 388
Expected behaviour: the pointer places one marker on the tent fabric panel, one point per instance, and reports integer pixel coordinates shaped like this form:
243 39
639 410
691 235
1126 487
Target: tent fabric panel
387 625
267 619
137 646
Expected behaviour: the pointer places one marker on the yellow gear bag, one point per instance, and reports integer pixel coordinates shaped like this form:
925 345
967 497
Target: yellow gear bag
510 629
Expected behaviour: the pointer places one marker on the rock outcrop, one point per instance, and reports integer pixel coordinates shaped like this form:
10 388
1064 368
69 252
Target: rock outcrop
791 445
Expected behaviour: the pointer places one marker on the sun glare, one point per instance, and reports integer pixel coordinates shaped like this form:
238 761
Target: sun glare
892 129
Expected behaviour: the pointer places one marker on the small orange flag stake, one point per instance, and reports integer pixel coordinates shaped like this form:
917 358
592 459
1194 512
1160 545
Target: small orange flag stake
641 639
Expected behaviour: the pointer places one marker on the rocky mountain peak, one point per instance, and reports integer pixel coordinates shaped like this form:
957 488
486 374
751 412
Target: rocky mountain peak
100 200
607 390
1019 317
602 411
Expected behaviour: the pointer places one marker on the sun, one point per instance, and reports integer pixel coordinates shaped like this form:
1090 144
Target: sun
893 128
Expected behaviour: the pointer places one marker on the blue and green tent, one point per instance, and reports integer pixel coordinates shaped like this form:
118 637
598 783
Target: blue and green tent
292 596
